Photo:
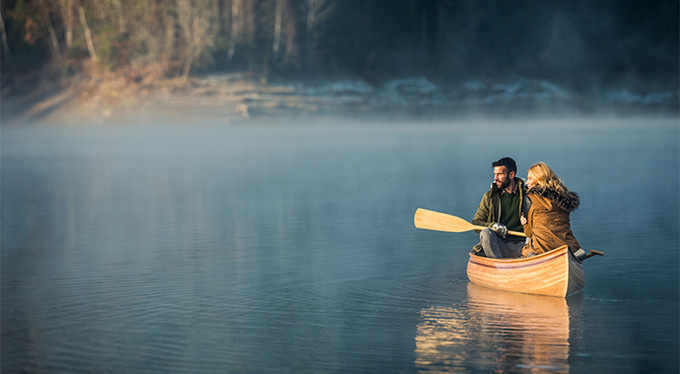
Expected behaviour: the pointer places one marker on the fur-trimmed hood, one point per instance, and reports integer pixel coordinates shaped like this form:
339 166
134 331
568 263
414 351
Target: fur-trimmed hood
568 202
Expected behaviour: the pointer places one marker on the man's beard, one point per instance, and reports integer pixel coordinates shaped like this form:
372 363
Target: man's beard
504 184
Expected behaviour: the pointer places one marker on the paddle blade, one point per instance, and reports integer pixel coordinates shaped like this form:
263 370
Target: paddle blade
430 220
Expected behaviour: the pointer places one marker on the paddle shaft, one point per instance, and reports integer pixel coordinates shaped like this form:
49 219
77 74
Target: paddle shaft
593 253
510 232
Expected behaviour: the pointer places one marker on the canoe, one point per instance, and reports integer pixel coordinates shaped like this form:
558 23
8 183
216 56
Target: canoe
555 273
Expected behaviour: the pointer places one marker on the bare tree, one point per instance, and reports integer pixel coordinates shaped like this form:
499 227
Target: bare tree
291 31
278 16
197 20
235 27
68 19
122 27
88 34
5 45
318 11
51 32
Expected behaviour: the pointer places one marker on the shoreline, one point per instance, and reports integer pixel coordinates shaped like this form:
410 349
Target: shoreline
91 99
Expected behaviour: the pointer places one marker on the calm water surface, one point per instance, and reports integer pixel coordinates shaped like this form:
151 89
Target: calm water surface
291 248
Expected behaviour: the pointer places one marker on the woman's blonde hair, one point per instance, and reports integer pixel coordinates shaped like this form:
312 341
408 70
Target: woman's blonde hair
546 177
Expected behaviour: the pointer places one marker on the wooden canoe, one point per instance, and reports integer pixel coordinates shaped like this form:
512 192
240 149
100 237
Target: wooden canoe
555 273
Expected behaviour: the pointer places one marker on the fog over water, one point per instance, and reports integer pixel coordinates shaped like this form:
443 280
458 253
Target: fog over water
231 188
289 247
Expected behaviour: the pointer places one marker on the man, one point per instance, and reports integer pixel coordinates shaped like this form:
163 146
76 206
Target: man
500 210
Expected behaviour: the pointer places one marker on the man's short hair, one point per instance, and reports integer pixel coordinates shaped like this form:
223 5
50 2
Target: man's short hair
507 162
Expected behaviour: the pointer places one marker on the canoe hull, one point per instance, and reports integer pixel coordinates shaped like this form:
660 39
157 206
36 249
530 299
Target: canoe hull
555 273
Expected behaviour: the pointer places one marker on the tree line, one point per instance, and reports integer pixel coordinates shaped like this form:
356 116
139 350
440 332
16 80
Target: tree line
372 39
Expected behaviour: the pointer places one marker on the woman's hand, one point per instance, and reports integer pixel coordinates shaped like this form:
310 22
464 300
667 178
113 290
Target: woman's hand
522 220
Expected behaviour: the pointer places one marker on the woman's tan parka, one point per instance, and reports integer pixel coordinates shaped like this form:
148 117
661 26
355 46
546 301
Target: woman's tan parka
548 225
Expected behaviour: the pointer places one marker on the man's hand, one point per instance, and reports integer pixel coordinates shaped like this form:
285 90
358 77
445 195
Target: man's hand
500 229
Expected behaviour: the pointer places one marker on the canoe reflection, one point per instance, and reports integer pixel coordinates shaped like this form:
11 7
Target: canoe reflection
497 331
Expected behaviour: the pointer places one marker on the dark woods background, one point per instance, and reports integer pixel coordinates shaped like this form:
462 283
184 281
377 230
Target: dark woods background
600 42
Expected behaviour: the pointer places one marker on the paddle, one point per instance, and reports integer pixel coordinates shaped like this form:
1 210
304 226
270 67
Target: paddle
593 253
431 220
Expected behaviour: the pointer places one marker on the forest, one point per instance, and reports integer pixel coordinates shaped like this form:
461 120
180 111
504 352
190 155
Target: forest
566 41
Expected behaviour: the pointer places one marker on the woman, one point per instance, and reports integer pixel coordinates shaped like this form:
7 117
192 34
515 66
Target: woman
547 221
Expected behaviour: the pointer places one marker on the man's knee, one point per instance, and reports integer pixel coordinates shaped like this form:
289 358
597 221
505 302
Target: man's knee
486 234
491 243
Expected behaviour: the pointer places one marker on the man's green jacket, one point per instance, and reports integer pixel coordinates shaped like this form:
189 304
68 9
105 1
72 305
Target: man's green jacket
489 210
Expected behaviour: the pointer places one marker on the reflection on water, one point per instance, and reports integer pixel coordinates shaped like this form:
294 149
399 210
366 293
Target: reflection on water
497 331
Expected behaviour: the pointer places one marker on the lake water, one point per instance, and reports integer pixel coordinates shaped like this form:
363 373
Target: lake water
291 248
